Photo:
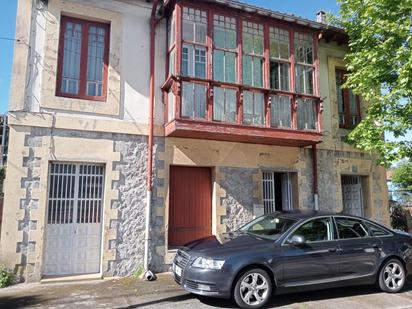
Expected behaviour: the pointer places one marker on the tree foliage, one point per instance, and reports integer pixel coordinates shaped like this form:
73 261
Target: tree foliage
380 66
402 176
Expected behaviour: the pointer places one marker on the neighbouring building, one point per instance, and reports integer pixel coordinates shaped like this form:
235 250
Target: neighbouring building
249 116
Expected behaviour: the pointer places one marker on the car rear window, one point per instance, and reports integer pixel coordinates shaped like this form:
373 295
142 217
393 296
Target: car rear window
351 228
376 230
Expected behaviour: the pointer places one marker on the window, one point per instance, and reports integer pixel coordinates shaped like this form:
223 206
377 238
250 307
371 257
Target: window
348 103
315 230
375 230
75 193
193 61
351 228
194 24
306 113
304 59
279 59
253 57
225 46
224 104
170 106
277 191
193 100
171 40
83 59
253 108
281 112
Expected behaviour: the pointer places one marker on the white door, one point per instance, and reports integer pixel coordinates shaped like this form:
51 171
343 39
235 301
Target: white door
74 215
352 195
286 191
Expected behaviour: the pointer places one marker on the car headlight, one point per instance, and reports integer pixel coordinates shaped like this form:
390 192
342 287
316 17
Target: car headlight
206 263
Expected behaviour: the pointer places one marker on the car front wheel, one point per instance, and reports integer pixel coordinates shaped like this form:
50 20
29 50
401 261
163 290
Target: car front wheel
253 289
392 276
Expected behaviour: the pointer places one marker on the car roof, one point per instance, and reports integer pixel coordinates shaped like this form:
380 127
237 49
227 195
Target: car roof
306 214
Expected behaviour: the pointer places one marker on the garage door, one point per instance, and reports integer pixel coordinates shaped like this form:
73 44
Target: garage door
190 204
74 215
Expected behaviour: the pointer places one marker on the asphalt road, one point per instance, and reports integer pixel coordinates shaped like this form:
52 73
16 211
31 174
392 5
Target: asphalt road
130 293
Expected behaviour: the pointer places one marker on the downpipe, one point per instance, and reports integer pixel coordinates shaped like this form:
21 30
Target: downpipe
148 274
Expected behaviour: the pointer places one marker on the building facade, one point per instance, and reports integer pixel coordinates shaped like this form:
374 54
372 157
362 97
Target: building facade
249 117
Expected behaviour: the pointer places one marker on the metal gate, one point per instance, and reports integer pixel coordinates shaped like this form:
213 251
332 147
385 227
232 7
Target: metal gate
352 195
74 215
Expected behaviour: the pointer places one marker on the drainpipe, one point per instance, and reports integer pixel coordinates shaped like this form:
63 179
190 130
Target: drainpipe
148 274
315 176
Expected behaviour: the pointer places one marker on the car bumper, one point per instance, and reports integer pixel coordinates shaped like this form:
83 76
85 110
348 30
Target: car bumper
205 282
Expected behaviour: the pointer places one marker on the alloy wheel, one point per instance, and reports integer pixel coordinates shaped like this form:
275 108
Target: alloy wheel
254 289
393 276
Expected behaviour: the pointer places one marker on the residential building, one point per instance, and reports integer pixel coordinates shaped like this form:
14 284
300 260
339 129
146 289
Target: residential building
248 117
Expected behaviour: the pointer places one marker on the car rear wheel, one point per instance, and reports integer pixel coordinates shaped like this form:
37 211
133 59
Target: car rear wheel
392 276
253 289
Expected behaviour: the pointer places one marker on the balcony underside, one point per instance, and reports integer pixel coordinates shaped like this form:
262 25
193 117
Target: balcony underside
242 134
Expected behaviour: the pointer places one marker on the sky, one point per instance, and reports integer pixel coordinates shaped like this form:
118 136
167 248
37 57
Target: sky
303 8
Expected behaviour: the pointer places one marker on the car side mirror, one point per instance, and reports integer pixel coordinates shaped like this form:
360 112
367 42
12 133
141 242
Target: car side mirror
297 240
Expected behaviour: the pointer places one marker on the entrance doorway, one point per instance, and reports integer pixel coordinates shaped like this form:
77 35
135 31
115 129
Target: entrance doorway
190 204
278 191
74 219
352 195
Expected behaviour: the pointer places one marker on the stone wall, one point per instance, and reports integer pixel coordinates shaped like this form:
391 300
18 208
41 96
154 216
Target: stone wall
240 186
131 206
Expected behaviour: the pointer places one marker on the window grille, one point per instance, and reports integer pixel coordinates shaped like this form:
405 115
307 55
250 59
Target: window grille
75 193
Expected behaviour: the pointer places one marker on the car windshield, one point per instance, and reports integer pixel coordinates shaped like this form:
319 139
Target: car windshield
269 226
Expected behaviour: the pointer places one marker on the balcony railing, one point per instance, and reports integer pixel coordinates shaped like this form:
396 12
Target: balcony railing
223 111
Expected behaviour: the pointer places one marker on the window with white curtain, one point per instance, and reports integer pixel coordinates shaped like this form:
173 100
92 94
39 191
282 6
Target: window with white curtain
224 104
306 113
253 108
281 111
193 100
75 79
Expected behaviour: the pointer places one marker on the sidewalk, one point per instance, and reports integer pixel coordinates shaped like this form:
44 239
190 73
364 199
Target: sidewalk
164 293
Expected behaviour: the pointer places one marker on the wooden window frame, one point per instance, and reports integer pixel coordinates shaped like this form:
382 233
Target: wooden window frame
241 16
83 59
346 103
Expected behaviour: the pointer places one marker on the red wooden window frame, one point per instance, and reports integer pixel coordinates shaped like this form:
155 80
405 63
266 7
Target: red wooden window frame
346 103
175 81
85 24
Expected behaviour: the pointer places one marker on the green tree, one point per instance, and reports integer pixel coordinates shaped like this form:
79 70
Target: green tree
380 66
402 176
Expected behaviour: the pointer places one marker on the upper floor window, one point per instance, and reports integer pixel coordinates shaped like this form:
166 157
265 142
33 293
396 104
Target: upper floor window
348 103
225 48
194 35
253 57
304 59
83 59
279 59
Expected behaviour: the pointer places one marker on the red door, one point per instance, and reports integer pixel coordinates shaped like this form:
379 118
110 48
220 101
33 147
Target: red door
190 204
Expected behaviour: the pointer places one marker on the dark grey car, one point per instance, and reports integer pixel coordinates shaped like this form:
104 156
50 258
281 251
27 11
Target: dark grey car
294 251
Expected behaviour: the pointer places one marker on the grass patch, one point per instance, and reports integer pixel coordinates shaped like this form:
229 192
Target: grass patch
138 272
6 277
